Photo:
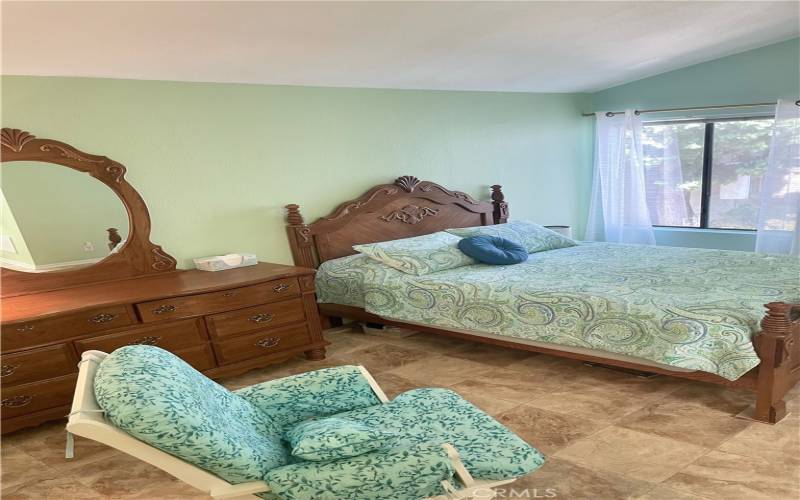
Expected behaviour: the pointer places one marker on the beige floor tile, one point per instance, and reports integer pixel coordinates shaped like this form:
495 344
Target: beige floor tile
773 443
661 492
349 340
712 396
387 332
545 430
726 476
685 422
512 385
394 385
601 401
441 371
168 490
430 342
483 400
123 475
632 453
562 479
47 443
500 357
54 488
17 466
384 356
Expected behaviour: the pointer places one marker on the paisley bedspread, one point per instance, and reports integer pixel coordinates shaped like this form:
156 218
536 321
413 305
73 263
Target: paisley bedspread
685 307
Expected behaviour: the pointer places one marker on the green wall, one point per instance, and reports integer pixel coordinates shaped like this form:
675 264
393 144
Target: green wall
760 75
216 163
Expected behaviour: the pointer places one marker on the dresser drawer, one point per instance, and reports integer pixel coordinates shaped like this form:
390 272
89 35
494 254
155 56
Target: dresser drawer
37 364
214 302
201 357
44 331
171 336
261 343
28 398
256 318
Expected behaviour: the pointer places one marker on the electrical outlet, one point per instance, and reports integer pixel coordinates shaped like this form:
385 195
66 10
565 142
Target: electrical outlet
88 247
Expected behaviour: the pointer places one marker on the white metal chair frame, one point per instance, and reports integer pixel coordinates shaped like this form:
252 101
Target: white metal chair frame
86 420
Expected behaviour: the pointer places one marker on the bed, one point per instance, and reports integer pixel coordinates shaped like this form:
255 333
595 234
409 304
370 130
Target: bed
690 313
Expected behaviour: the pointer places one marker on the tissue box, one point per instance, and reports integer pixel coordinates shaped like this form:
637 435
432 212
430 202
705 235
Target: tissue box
223 262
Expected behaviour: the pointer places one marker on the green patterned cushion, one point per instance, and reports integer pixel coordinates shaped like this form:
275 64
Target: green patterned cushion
488 449
157 398
289 400
410 473
331 438
533 237
419 255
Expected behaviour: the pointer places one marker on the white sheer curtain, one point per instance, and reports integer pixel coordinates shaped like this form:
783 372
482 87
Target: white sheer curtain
663 176
618 210
779 211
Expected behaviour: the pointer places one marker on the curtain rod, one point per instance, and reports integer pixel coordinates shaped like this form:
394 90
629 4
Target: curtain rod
721 106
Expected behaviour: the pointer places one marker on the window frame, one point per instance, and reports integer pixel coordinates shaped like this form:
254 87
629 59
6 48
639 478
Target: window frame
708 160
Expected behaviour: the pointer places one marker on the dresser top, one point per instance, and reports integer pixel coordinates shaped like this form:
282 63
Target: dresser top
154 287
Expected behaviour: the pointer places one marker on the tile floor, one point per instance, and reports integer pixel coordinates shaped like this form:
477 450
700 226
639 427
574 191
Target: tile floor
607 435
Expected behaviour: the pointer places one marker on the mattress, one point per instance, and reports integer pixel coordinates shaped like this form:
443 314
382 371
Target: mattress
687 308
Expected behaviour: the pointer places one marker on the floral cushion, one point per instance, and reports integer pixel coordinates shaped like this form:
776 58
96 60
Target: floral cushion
161 400
331 438
419 255
287 401
408 473
488 449
533 237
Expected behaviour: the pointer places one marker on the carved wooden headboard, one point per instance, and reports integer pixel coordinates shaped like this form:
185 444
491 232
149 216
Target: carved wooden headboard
408 207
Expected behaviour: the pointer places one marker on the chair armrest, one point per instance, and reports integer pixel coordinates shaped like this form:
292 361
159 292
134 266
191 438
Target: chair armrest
313 394
414 472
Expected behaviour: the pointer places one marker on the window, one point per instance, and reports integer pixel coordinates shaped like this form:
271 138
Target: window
705 173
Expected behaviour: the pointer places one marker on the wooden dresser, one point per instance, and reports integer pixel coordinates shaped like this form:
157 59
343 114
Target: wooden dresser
222 323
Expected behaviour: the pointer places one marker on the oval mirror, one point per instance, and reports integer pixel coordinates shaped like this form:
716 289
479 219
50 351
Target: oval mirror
55 218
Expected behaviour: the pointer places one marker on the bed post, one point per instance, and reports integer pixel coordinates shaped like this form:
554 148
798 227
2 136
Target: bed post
774 346
299 238
303 252
500 206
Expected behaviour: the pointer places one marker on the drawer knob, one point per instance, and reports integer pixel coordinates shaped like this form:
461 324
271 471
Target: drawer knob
261 318
280 288
25 328
102 318
163 309
16 401
268 342
146 341
7 370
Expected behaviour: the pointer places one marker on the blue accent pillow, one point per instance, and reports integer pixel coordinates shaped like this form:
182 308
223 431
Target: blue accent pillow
493 250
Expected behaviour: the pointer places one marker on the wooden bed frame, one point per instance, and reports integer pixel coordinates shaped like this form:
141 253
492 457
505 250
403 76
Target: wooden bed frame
410 207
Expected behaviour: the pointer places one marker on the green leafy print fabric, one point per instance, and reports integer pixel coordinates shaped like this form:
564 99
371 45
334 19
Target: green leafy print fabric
287 401
159 399
685 307
533 237
488 449
409 473
333 437
419 255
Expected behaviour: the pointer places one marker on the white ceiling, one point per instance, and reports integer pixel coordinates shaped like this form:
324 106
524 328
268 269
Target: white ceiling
522 46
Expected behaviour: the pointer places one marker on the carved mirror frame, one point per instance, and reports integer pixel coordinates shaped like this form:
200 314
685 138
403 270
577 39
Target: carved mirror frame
138 255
